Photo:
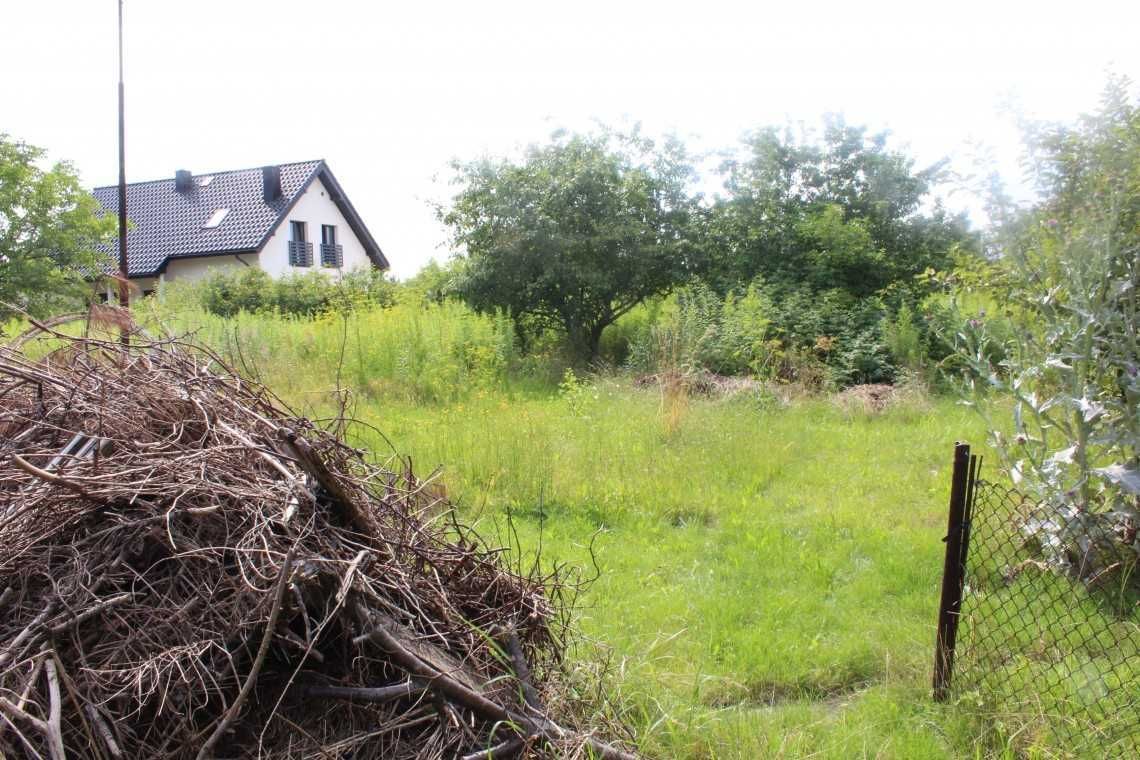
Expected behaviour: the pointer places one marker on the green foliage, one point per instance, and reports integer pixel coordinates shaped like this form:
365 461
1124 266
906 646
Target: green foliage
436 282
578 233
696 328
227 293
578 394
837 231
230 292
794 335
840 253
50 231
1073 269
905 340
841 212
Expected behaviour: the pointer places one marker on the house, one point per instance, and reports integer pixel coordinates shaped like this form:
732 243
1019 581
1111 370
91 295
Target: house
287 218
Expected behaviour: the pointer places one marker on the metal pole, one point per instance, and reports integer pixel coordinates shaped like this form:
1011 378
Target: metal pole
953 569
124 294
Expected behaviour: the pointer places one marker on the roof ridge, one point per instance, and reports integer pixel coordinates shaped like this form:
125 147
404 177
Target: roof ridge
211 174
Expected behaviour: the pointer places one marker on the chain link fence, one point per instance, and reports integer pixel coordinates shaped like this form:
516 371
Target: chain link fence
1048 623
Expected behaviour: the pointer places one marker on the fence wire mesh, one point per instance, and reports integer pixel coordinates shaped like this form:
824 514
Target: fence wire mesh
1049 634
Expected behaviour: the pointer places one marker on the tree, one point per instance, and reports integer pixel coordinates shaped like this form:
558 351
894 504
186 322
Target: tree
844 212
50 230
578 232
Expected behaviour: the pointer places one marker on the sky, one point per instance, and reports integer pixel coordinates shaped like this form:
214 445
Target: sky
389 93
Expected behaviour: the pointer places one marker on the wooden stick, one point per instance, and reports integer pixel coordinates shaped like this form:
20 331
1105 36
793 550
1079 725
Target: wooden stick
500 751
103 730
262 651
310 462
487 709
52 727
48 477
33 628
90 612
79 704
522 670
367 694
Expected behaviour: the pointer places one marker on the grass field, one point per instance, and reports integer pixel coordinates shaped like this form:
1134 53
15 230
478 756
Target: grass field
769 577
767 574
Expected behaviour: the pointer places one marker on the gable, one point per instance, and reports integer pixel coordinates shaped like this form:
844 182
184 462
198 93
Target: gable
315 207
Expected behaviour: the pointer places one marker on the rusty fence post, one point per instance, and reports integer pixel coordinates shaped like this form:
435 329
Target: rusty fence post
954 568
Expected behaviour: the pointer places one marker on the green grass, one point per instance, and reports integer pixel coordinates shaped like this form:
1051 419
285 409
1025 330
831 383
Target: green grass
769 577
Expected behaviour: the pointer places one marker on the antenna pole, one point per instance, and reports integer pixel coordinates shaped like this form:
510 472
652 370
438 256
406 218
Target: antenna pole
124 295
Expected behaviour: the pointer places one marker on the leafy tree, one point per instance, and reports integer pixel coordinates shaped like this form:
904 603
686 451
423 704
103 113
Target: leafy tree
846 212
577 233
50 229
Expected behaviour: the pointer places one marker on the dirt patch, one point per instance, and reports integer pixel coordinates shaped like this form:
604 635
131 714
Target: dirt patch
700 383
868 399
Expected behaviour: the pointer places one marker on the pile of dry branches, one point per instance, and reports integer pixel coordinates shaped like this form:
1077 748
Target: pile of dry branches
189 570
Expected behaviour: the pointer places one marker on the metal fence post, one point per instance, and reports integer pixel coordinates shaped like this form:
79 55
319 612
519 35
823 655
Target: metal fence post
950 604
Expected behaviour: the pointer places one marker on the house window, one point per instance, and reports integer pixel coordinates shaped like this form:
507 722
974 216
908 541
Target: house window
332 255
216 218
300 250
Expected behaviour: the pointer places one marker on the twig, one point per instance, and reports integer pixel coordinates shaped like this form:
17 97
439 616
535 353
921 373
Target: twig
487 709
367 694
48 477
262 651
29 631
311 463
103 730
52 726
90 612
522 670
500 751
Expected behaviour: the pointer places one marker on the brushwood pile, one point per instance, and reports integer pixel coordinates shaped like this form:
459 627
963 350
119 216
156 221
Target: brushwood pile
190 570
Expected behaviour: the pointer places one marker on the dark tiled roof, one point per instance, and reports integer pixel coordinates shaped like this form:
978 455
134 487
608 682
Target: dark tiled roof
166 224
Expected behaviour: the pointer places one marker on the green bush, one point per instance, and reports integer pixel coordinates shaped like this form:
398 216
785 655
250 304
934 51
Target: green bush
252 290
229 293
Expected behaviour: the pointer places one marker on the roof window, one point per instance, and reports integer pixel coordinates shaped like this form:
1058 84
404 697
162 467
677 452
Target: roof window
205 180
216 218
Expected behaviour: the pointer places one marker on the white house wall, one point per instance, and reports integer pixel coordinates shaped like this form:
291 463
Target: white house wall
315 208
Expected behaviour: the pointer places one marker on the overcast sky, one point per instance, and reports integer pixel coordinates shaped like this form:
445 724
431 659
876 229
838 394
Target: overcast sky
389 92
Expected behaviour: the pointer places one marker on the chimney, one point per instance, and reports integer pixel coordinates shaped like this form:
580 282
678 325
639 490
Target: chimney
271 183
183 181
